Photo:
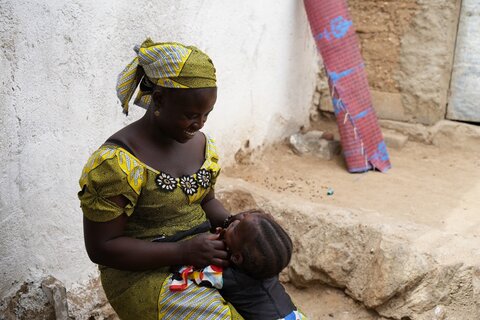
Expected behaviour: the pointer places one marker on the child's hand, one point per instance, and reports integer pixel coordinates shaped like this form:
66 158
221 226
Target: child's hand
221 232
203 250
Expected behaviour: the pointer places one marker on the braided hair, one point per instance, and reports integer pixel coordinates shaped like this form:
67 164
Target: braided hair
268 251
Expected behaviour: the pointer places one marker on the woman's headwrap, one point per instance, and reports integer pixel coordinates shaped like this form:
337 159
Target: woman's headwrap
167 64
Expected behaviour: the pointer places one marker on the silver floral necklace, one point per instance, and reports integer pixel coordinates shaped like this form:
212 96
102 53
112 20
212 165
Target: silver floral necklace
188 184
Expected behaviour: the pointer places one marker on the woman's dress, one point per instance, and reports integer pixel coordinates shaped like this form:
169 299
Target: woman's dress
159 205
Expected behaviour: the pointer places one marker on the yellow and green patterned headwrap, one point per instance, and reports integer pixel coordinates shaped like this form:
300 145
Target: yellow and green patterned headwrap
166 64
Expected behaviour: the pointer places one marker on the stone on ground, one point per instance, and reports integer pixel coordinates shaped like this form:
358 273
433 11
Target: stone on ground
394 139
57 295
314 143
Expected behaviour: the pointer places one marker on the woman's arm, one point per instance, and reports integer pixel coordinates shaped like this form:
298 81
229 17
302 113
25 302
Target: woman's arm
106 245
214 209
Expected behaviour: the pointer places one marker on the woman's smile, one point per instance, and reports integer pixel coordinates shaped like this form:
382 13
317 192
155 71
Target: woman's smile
190 132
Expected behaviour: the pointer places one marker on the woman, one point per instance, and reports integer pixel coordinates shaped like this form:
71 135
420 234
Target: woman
154 179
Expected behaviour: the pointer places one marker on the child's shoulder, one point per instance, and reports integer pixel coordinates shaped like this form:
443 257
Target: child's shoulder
236 276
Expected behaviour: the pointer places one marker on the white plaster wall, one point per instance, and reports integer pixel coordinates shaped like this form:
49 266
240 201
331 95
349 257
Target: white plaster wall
58 66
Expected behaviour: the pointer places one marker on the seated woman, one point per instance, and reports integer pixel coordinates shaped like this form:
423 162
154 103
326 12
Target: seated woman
155 178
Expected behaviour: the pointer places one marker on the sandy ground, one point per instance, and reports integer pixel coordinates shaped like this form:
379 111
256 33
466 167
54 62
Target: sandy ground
426 185
324 303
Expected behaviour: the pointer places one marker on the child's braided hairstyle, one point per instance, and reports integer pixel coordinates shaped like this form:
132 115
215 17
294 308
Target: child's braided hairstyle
269 250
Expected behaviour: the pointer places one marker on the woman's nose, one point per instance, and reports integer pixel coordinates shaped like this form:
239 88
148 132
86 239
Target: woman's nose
198 125
201 122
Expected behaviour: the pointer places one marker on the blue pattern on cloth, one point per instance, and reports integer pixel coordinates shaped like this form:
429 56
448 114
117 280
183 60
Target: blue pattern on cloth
295 315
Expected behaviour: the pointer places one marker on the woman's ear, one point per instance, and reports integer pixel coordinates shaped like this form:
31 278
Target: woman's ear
236 258
157 96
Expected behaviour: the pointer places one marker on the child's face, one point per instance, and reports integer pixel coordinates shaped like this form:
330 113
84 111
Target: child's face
241 230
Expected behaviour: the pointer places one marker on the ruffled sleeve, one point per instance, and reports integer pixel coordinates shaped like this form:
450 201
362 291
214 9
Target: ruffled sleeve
211 162
110 172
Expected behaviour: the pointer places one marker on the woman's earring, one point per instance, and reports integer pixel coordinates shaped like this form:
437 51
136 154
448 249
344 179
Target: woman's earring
156 113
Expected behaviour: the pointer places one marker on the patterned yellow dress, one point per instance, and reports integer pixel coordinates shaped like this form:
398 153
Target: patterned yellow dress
160 205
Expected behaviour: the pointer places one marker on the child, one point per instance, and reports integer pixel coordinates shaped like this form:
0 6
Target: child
259 249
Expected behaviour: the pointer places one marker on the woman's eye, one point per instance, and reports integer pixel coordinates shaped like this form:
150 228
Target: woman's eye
191 116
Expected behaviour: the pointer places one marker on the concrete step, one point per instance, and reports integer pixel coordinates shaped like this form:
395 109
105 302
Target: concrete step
400 269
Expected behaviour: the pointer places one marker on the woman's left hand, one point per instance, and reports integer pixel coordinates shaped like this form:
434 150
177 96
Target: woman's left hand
204 249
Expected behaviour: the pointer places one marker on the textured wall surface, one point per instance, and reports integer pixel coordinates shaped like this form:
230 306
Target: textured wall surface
59 62
408 49
465 97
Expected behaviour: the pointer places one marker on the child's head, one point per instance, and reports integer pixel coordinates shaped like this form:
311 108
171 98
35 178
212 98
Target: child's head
258 244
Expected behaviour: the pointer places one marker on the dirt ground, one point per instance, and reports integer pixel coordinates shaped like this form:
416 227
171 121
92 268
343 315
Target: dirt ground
325 303
426 185
438 187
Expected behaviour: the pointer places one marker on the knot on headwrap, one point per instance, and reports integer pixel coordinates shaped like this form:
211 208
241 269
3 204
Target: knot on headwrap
167 64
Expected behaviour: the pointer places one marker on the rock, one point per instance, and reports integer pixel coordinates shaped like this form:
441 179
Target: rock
316 98
47 299
384 265
314 143
328 136
445 133
57 295
415 132
88 301
29 302
326 103
237 201
314 115
456 135
439 313
394 139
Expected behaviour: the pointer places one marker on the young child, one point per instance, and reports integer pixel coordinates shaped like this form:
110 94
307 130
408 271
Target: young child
259 249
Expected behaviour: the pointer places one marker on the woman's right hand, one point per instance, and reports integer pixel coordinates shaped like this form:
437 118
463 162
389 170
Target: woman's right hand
203 250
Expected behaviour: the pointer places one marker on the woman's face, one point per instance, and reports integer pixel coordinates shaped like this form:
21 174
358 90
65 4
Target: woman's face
183 111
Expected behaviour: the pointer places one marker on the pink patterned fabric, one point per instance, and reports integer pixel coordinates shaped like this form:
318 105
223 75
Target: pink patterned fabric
361 138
